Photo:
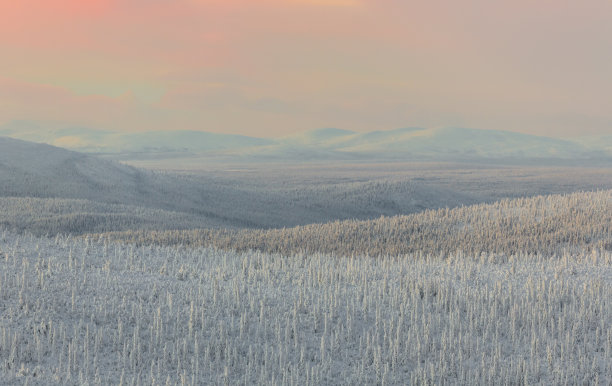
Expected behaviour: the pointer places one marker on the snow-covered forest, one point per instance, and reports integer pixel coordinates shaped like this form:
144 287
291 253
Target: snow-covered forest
79 310
542 224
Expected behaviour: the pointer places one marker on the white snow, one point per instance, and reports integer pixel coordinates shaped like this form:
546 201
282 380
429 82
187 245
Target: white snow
76 311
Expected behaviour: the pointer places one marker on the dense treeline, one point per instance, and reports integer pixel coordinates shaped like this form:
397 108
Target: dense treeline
542 224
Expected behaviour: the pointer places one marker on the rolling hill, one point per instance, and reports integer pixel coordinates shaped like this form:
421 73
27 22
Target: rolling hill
101 189
548 224
437 144
104 141
444 144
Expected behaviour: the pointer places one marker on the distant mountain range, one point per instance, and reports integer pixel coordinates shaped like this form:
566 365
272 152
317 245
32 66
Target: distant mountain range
321 144
103 141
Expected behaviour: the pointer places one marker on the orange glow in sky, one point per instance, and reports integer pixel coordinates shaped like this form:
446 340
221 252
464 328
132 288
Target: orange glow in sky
273 67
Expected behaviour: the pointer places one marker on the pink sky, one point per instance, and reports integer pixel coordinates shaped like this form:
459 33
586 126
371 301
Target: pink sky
272 67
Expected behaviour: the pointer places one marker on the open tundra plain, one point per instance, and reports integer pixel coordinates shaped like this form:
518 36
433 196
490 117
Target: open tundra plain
340 272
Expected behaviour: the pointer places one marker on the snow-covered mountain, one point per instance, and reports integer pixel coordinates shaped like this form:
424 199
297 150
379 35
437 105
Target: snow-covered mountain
450 143
322 144
103 141
602 142
326 138
417 144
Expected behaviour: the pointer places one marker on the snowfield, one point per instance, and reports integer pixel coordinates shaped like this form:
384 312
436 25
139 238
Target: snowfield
83 311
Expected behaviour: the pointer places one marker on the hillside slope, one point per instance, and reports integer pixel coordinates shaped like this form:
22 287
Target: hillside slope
542 224
38 170
41 171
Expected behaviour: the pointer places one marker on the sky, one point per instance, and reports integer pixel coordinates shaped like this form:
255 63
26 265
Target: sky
275 67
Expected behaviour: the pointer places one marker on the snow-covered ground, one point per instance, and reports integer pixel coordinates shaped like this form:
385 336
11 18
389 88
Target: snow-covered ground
81 311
